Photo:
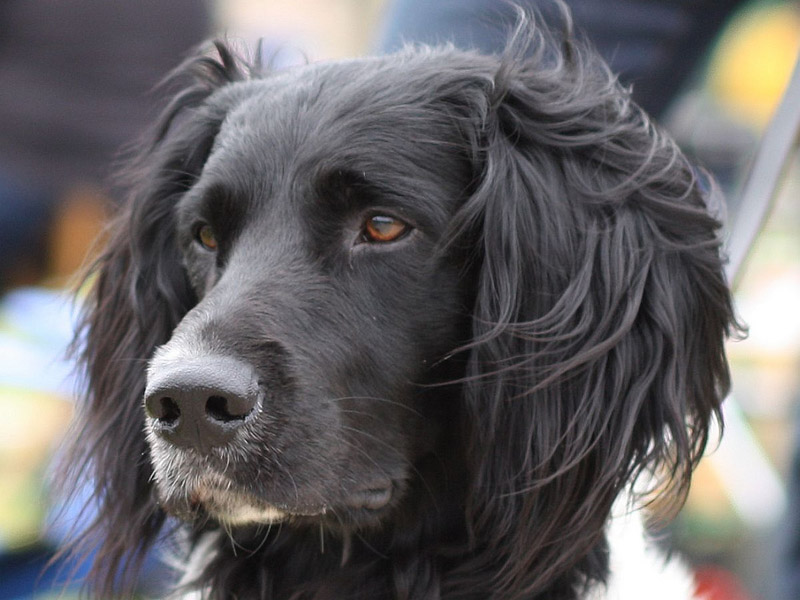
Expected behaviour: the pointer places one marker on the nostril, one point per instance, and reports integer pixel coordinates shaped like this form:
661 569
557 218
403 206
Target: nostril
170 411
164 409
220 409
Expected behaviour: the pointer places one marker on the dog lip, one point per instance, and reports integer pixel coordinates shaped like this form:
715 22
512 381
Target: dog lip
220 500
372 497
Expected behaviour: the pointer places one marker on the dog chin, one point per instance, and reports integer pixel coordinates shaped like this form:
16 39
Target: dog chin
221 500
212 497
232 508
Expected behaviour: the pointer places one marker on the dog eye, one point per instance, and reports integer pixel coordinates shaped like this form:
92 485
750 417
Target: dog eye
382 229
206 237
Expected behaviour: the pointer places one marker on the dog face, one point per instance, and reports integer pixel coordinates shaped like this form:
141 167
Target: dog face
312 238
440 308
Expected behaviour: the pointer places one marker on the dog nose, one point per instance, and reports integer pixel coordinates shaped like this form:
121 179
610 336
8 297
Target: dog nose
200 403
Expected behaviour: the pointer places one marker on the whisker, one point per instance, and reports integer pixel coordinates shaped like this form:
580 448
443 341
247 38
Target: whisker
264 539
370 546
356 447
405 460
378 399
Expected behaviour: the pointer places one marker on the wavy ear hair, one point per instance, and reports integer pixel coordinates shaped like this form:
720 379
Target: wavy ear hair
599 318
139 294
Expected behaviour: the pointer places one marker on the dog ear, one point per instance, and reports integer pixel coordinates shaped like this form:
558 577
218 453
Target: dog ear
599 316
138 294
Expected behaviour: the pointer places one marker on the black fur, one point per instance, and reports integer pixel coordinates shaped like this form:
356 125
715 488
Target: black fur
551 327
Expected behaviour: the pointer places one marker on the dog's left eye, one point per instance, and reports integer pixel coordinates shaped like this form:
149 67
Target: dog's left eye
206 237
382 229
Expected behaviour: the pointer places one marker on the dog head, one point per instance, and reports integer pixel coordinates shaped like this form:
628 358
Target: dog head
321 299
433 291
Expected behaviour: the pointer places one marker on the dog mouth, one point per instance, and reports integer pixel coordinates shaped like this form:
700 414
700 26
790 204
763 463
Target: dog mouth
230 504
235 507
216 497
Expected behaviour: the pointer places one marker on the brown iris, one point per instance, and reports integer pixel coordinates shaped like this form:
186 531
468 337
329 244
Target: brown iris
383 229
206 237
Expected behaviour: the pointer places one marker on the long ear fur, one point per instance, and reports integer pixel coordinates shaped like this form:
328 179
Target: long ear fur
599 319
138 294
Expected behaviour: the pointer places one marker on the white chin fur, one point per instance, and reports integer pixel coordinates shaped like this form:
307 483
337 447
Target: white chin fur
249 515
234 509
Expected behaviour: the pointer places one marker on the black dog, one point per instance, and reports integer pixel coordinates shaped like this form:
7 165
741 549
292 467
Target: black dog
400 328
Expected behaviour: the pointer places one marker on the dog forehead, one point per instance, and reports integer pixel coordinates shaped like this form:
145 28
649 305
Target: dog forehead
361 115
367 102
316 93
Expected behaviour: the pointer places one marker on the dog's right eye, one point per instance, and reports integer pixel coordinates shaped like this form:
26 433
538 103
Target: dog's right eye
206 237
382 229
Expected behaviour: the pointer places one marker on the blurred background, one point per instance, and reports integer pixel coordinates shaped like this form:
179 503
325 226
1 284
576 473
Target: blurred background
76 86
